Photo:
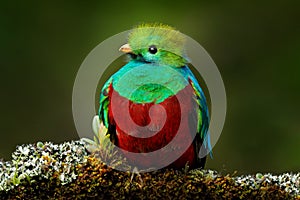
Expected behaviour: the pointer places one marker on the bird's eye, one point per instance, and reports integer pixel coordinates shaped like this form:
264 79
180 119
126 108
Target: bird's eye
152 49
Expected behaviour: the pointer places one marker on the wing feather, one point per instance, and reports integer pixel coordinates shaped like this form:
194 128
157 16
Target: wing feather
203 136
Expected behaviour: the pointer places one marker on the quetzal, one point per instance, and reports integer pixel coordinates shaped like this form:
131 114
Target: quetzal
156 74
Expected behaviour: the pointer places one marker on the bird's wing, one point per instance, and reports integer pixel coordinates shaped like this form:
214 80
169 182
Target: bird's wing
104 102
104 109
202 115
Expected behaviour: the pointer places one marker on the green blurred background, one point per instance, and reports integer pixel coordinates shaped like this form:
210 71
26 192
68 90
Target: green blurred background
255 45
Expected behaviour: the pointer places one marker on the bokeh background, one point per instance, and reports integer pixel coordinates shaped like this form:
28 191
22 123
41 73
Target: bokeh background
255 45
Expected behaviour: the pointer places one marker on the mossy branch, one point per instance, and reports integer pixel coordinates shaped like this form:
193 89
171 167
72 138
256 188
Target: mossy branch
70 171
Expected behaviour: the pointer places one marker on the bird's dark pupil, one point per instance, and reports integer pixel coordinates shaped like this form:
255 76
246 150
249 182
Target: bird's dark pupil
152 49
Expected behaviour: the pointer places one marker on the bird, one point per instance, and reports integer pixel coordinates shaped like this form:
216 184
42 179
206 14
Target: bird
148 100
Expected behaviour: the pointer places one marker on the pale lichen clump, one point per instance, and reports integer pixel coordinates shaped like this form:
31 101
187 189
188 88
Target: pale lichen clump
42 160
289 182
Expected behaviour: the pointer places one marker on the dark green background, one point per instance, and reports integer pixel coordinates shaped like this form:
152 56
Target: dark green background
255 45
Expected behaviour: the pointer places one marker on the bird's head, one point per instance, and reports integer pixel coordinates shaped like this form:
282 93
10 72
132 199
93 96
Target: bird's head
156 43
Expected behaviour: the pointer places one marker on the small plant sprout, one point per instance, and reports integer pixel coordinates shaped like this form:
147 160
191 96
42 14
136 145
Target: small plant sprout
100 135
102 147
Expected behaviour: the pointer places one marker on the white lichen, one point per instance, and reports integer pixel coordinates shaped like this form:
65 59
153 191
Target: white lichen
42 160
288 182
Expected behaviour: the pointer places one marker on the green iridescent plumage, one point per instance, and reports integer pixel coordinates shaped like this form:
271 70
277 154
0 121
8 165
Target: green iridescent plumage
148 83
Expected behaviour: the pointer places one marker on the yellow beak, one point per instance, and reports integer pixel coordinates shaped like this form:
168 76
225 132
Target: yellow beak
125 48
